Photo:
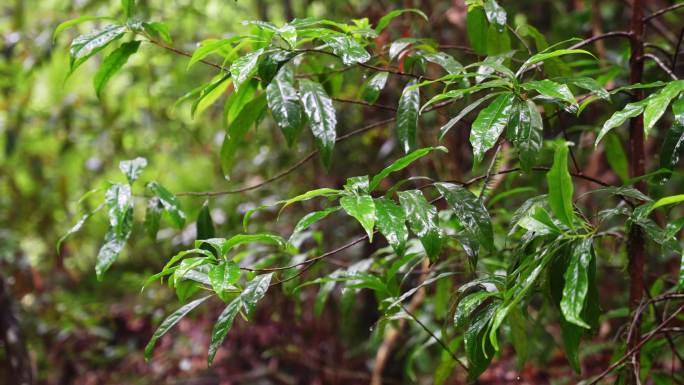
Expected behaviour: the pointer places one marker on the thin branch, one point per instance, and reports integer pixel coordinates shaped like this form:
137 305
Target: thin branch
638 346
662 65
663 11
675 54
364 103
524 43
601 37
184 53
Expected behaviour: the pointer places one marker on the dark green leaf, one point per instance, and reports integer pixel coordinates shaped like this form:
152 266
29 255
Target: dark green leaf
618 118
223 277
526 132
319 109
370 91
153 215
444 60
244 67
471 107
495 14
169 322
115 240
561 187
540 57
577 283
170 203
656 106
407 116
85 46
222 326
311 218
283 101
132 168
422 218
385 20
362 208
205 225
236 131
551 89
674 138
392 224
476 24
478 348
615 154
271 63
488 126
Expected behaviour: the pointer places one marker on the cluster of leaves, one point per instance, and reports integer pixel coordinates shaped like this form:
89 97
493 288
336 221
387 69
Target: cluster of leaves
275 69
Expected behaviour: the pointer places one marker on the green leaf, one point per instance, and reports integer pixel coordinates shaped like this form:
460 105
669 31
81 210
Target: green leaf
615 154
244 67
540 57
158 31
283 101
128 7
325 191
227 244
208 94
319 109
519 338
236 131
169 322
401 164
271 64
362 208
471 107
631 110
370 91
392 224
357 185
476 24
674 138
385 20
498 41
525 130
576 283
667 201
422 218
311 218
407 116
223 277
656 106
478 347
346 48
208 47
115 240
471 213
73 22
254 291
205 225
489 124
119 201
170 203
153 215
551 89
132 168
586 83
495 14
85 46
76 227
561 187
571 335
445 61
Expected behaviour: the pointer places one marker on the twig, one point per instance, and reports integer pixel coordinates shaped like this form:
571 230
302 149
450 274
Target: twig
663 11
662 65
675 54
184 53
364 103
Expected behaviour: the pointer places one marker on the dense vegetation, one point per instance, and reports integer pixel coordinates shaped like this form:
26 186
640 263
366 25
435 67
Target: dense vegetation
452 193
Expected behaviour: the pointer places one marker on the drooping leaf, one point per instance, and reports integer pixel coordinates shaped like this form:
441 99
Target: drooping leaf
205 225
119 201
208 47
74 22
489 125
498 41
236 131
348 49
370 91
631 110
471 107
391 221
587 83
476 24
401 164
576 283
362 208
470 212
525 131
311 218
478 348
319 109
76 227
132 168
422 218
385 20
115 240
170 203
407 117
153 215
208 94
540 57
158 31
496 15
271 64
169 322
561 187
615 154
551 89
444 60
223 277
283 101
85 46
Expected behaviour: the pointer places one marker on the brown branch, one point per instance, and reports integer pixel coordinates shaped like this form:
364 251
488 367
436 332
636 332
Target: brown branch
662 65
364 103
184 53
600 37
662 12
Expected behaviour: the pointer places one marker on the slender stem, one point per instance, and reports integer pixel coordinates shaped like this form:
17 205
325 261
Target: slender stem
663 11
675 54
662 65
